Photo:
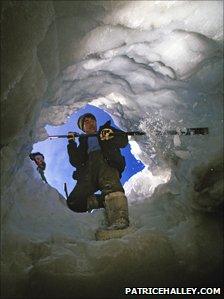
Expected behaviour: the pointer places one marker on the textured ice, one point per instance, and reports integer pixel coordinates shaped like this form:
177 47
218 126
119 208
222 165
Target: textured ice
142 184
153 65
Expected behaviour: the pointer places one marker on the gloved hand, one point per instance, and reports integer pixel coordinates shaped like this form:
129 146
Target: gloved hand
105 134
71 136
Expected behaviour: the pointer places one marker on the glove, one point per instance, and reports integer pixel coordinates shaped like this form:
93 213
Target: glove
71 136
105 134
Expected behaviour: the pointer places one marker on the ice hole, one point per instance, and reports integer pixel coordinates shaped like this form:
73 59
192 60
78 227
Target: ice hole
58 168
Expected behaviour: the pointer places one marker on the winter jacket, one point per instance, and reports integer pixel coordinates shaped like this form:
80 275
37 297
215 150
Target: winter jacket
78 155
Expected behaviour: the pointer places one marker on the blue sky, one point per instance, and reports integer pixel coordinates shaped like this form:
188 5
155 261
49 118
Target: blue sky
58 169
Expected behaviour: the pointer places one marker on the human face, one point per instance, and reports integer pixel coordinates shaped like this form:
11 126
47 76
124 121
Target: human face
39 159
89 125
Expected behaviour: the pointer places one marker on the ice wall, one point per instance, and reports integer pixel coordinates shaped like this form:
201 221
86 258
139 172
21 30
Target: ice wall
150 64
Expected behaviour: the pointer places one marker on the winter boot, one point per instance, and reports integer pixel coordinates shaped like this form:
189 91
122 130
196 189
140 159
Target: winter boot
95 201
117 216
116 210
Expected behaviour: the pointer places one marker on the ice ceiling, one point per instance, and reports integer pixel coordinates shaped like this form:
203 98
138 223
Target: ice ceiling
150 64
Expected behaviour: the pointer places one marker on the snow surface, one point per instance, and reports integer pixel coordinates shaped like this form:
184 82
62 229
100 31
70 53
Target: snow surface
153 65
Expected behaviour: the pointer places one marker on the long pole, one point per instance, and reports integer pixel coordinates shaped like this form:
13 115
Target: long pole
96 134
183 131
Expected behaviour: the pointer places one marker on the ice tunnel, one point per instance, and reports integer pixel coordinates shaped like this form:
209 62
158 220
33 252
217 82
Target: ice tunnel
151 65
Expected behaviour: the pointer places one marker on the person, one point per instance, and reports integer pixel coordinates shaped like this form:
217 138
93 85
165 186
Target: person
38 158
99 165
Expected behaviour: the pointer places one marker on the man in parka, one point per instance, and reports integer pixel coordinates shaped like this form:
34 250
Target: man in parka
38 158
99 165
